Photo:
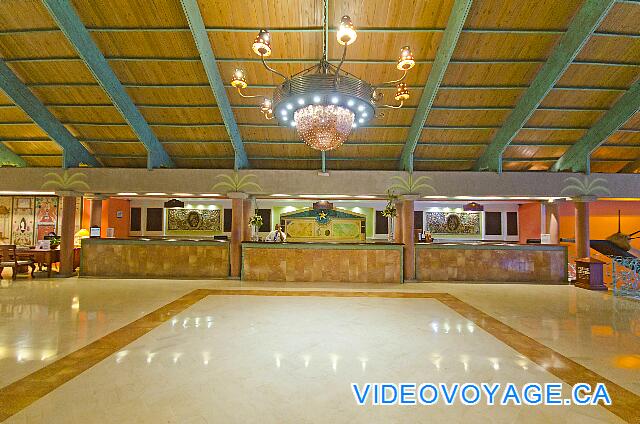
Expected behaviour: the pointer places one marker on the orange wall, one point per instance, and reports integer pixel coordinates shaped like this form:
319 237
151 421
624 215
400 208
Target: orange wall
529 221
603 219
109 217
86 214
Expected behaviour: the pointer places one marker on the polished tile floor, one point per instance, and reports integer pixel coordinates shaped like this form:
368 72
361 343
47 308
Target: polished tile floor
230 358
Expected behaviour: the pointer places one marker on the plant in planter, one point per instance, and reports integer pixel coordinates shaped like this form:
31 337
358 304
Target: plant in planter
390 212
255 222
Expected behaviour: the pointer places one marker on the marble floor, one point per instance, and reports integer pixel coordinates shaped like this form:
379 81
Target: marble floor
263 357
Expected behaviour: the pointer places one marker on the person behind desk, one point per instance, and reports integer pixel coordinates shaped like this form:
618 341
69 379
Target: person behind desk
276 235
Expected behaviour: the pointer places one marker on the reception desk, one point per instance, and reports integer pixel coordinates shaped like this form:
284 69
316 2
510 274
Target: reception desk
322 262
154 258
492 262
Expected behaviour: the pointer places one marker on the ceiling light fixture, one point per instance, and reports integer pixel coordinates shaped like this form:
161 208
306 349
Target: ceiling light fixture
325 100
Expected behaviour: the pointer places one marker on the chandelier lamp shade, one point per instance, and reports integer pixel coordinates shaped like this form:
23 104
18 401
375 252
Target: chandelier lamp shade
324 103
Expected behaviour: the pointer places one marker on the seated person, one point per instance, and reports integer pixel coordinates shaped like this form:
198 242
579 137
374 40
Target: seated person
276 235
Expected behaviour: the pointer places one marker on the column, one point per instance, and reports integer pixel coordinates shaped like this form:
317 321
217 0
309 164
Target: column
582 225
96 211
67 233
553 221
408 237
247 209
237 221
397 235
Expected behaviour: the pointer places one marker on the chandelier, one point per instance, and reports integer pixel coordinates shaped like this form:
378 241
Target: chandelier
324 103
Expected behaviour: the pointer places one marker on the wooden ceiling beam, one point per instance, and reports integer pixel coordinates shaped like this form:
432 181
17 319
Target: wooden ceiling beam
75 153
458 16
74 30
576 159
194 17
584 23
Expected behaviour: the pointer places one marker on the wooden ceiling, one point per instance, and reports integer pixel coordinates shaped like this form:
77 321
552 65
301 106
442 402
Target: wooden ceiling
150 48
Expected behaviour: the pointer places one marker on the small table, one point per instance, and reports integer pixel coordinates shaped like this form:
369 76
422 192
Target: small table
41 256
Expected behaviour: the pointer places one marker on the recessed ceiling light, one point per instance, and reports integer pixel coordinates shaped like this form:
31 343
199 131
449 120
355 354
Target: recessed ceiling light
366 197
300 102
351 102
361 120
360 108
127 194
183 194
316 99
280 195
289 106
210 195
156 194
26 193
335 99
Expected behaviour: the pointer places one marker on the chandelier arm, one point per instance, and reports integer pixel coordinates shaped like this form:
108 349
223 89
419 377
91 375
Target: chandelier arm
404 75
286 78
344 54
394 107
248 96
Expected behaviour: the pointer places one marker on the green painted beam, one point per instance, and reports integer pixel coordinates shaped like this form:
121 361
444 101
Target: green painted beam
74 30
209 62
584 23
445 51
8 158
75 153
576 159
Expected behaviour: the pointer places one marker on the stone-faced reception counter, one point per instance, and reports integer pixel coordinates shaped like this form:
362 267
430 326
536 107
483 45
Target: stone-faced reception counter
492 262
322 262
154 258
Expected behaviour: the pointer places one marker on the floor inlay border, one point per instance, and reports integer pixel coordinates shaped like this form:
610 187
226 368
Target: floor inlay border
22 393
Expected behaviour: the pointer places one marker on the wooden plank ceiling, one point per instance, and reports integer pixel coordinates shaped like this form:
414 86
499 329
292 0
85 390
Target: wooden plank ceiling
149 46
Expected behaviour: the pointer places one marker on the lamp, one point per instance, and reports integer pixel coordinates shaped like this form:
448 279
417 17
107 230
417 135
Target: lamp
323 102
239 80
346 33
406 60
402 92
262 44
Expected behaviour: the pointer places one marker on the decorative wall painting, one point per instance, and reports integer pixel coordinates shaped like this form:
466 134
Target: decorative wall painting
23 221
46 216
453 223
320 224
5 220
195 221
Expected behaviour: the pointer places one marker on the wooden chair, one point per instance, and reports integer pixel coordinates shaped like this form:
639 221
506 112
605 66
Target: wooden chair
9 259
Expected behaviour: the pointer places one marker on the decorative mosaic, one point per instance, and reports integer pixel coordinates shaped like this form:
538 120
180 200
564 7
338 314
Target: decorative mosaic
194 220
464 223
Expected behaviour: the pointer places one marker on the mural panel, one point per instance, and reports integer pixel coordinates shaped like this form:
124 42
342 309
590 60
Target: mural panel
46 216
324 225
193 221
23 222
5 219
453 223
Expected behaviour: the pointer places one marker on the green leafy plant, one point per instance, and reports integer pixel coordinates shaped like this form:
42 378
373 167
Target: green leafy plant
390 210
410 185
255 221
585 187
235 183
67 181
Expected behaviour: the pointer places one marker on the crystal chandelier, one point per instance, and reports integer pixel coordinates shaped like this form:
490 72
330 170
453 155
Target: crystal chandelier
325 103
